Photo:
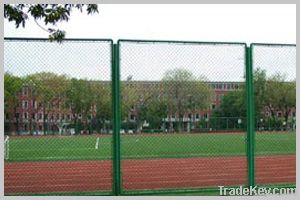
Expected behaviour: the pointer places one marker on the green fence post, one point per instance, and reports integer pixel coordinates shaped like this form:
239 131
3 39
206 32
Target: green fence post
250 118
116 121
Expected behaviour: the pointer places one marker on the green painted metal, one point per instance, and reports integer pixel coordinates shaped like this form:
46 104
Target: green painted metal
181 42
116 121
250 118
273 44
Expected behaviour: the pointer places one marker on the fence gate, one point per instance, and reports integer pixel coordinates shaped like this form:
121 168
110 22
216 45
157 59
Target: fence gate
174 132
58 117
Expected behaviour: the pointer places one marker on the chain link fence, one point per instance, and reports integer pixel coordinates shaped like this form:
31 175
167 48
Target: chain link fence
179 130
57 116
183 116
274 76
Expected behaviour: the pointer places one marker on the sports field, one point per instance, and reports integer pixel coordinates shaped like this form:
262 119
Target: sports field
99 147
79 164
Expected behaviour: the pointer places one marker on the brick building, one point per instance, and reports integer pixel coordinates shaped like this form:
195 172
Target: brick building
30 114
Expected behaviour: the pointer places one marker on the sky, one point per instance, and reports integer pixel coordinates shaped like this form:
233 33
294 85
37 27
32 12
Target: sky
221 23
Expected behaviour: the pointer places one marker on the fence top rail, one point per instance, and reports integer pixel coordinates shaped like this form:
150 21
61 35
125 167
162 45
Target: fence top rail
180 42
272 45
66 39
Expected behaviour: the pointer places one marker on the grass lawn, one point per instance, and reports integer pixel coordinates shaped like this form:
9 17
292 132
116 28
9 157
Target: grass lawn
146 146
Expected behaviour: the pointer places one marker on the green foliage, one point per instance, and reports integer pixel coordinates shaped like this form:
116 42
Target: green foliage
48 86
153 113
184 92
103 101
12 86
129 98
233 104
48 13
48 89
271 94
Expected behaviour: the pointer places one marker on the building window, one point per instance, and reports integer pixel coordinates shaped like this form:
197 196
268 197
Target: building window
213 106
25 127
132 117
205 115
34 104
40 116
25 115
197 116
33 116
25 91
25 104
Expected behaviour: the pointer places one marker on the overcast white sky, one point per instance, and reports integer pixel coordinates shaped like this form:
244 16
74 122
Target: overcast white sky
200 22
224 23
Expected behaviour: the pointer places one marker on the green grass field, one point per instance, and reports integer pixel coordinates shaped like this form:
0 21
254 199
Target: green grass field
146 146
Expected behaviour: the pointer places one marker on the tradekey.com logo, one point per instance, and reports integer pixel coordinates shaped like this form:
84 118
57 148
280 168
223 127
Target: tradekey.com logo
254 190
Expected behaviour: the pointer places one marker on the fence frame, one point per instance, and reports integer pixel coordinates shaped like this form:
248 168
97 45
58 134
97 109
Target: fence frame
249 133
250 118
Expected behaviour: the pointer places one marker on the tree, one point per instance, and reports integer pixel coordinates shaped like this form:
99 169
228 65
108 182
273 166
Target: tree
12 86
136 97
185 93
47 13
154 111
233 104
81 98
48 88
232 108
273 94
261 93
281 96
129 98
103 104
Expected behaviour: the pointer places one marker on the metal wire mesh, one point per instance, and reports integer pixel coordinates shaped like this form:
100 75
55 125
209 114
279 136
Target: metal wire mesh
274 78
57 116
183 115
179 127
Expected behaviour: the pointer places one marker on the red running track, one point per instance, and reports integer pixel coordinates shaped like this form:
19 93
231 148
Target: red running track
92 176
